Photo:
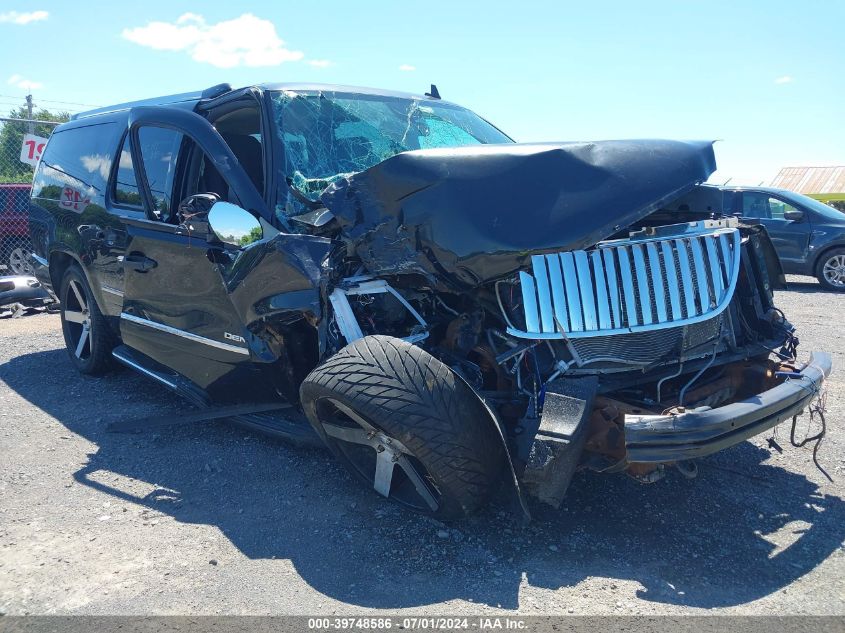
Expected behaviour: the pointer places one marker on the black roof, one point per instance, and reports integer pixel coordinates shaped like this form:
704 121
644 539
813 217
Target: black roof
187 97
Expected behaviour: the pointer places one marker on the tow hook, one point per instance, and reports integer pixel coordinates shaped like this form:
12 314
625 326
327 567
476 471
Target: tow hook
688 469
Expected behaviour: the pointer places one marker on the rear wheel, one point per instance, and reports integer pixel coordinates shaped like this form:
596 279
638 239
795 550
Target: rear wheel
830 270
88 338
403 423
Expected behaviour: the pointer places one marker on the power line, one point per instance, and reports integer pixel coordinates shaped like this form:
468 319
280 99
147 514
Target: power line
16 105
85 105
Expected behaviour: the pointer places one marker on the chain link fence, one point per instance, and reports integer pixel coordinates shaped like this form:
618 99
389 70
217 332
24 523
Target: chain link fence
21 143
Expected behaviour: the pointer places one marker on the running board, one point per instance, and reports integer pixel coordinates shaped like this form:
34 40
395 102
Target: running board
264 417
146 366
292 426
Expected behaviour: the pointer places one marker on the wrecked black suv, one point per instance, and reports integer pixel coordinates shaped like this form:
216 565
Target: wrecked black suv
450 310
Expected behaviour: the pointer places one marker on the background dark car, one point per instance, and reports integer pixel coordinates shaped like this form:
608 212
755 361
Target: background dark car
15 247
809 236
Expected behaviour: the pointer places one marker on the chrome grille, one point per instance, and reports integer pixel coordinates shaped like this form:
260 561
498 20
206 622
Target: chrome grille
633 285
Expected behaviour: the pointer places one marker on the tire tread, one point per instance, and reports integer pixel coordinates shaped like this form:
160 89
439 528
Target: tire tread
418 400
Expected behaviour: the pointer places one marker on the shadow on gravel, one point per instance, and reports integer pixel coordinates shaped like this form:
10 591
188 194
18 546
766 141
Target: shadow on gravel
702 543
811 286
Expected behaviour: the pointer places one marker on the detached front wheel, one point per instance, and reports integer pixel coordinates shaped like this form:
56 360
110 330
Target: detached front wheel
402 422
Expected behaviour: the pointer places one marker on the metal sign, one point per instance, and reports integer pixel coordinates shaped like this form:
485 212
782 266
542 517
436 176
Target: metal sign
31 149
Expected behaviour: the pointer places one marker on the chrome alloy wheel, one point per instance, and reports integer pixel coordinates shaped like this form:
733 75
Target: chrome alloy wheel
78 319
375 456
834 271
19 261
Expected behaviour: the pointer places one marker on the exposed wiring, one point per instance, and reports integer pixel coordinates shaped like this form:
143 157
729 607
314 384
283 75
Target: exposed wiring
538 377
698 375
446 307
501 305
561 368
665 378
817 408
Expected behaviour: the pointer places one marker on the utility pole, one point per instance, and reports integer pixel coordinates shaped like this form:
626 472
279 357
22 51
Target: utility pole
30 125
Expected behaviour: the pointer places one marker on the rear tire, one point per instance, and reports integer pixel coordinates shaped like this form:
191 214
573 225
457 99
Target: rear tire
88 337
381 399
830 270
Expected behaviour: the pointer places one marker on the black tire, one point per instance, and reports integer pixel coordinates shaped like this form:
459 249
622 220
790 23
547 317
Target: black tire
830 259
410 396
93 356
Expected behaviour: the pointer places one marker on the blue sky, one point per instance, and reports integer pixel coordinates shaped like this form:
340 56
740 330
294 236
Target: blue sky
764 77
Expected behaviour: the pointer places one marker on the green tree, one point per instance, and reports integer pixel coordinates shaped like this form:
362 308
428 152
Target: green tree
253 236
11 139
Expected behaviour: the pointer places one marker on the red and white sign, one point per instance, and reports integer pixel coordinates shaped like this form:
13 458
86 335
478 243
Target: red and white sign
32 148
72 199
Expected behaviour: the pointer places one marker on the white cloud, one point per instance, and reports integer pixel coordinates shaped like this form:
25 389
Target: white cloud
98 163
125 160
243 41
786 79
14 17
406 68
23 83
319 63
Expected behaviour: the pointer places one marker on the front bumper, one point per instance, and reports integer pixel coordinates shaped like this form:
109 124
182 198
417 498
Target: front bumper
667 438
24 290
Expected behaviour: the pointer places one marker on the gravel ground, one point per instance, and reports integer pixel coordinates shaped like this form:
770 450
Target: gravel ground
214 519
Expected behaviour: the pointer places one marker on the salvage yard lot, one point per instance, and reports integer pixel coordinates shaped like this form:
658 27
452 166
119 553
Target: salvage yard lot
211 518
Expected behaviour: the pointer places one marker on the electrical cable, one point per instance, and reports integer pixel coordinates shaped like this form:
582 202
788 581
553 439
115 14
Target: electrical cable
817 408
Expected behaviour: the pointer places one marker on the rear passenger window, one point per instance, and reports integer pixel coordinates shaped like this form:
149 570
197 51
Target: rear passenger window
159 150
75 166
126 191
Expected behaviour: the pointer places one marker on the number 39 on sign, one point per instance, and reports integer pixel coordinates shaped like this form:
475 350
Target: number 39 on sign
32 148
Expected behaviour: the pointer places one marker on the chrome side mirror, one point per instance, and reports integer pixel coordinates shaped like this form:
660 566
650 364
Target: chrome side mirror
233 225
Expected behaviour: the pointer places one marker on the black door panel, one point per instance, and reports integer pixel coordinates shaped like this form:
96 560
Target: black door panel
122 202
177 308
177 311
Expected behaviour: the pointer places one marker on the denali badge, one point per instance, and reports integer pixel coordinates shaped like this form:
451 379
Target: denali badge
234 337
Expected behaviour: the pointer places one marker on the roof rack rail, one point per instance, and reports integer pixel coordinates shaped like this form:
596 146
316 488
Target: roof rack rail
208 93
216 91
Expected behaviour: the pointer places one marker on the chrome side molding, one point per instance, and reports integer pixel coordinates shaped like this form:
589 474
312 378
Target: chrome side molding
187 335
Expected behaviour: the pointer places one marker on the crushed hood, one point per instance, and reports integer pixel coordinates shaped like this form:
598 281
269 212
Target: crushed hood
465 216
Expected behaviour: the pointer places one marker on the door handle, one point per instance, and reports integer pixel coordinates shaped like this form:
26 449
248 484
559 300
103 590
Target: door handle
139 262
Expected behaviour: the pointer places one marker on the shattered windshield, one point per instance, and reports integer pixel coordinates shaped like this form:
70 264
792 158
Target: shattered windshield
327 136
